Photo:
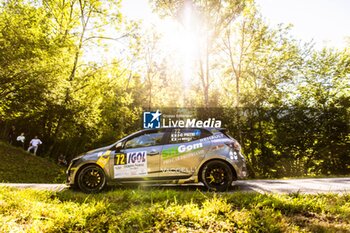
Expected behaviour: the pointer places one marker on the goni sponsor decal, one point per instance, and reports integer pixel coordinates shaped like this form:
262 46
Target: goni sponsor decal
181 152
186 148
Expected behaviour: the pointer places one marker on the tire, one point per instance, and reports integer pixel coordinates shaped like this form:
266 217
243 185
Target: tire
91 179
217 175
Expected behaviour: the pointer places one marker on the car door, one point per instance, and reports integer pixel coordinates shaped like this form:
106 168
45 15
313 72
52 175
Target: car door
139 157
183 151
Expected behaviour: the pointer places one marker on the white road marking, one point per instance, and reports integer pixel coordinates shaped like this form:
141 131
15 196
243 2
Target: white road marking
49 187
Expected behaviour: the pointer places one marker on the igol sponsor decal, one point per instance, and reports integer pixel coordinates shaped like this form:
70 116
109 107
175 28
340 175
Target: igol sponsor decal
130 158
130 164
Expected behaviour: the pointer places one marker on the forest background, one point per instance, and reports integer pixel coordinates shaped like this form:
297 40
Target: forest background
285 100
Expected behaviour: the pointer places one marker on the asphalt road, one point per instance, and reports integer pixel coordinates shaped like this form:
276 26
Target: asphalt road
312 186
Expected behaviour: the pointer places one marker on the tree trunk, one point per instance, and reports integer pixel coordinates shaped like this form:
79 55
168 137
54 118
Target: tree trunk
63 114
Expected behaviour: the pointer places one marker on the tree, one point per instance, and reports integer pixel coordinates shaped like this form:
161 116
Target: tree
46 80
29 61
210 18
82 25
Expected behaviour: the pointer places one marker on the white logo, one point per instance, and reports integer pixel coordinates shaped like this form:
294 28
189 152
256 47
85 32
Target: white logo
211 122
184 148
151 119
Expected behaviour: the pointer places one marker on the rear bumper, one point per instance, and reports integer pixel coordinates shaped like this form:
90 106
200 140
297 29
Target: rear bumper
243 173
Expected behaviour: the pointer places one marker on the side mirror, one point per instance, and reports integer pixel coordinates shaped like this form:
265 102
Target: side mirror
118 146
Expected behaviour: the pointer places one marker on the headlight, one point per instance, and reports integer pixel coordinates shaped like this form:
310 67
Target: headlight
73 161
236 146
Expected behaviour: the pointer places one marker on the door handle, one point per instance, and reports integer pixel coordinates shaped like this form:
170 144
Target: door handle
153 152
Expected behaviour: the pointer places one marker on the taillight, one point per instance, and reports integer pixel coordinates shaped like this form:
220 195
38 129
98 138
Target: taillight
234 145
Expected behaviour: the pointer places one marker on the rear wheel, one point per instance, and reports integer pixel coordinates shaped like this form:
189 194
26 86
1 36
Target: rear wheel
217 175
91 179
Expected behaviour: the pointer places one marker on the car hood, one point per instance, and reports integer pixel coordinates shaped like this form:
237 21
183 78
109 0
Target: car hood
101 149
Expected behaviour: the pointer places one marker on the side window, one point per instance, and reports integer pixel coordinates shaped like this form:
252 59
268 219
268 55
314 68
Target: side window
183 135
205 133
145 140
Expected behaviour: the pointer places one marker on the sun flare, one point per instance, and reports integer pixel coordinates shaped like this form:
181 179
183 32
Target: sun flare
181 40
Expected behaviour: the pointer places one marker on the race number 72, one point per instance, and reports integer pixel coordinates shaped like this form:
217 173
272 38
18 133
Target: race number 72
120 159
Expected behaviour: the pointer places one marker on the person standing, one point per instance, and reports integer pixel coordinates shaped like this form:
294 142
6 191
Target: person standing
20 140
62 160
34 143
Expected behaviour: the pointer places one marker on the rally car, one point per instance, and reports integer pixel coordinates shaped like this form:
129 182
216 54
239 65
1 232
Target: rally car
164 155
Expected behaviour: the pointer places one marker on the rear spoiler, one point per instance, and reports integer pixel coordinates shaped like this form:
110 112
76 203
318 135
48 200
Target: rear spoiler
223 131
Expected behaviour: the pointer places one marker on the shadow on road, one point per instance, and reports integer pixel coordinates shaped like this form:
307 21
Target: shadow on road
177 187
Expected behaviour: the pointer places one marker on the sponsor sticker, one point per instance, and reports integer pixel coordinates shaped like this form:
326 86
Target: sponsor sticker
180 150
187 148
178 170
103 158
130 164
182 157
213 137
184 135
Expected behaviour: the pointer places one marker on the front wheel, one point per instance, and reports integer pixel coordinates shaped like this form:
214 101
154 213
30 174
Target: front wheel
217 175
91 179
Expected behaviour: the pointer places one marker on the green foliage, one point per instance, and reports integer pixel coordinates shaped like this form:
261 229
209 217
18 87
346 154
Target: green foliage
45 81
292 141
160 210
28 60
324 80
292 114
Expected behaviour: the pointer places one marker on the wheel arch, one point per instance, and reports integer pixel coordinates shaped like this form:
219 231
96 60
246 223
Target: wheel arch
84 166
233 170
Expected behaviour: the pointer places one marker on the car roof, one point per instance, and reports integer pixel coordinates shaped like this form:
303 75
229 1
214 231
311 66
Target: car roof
165 128
145 130
206 128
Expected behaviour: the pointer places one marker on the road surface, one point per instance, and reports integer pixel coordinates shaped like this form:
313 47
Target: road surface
312 186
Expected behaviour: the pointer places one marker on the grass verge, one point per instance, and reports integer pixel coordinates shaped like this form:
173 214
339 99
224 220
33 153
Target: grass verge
18 166
168 210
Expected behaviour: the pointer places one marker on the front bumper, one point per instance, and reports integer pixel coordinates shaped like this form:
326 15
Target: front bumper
70 173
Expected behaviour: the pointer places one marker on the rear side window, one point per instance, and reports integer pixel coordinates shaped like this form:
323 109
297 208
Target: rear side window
183 135
226 134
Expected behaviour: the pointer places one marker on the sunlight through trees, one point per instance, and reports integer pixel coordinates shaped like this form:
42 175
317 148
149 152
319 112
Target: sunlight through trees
287 102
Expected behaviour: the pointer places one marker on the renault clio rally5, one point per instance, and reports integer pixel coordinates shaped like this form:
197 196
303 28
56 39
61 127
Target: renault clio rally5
164 155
